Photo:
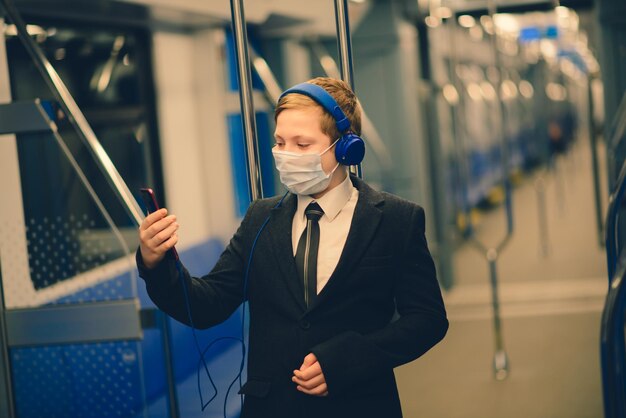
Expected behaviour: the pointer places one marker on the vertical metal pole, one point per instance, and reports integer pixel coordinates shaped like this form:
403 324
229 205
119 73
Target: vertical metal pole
500 358
459 130
492 10
163 325
596 166
344 44
439 199
245 98
7 407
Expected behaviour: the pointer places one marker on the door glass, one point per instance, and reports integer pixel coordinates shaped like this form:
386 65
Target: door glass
68 239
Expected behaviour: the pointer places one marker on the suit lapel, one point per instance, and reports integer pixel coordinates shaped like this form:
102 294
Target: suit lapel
367 216
279 229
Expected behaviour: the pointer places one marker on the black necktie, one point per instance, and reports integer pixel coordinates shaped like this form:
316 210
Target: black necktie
306 253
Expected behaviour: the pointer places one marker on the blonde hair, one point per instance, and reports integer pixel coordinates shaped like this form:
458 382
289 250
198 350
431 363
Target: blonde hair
343 95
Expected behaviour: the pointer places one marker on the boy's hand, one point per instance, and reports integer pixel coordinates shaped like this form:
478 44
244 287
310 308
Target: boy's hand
310 378
157 234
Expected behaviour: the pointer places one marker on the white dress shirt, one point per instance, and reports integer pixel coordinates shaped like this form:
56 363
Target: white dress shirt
338 205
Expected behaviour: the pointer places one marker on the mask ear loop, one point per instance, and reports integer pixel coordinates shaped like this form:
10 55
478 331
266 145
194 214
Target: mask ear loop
326 150
330 146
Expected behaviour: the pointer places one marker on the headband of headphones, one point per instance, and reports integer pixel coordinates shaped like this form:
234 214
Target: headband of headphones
325 100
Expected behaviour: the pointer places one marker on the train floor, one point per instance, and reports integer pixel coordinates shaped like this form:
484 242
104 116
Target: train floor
551 307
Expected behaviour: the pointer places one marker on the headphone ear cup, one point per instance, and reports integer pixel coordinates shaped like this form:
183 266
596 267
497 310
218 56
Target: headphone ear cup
350 149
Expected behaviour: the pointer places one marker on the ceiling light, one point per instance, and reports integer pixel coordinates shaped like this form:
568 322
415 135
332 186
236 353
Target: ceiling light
467 21
526 89
450 94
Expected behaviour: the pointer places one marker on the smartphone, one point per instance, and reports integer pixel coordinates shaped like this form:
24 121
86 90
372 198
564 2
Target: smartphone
151 205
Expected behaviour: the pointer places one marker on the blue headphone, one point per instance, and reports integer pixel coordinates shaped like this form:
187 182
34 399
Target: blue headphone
350 149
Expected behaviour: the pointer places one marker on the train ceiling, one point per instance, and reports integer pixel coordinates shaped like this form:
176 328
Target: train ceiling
275 17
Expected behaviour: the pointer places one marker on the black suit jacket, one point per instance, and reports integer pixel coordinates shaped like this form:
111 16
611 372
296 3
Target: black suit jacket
381 307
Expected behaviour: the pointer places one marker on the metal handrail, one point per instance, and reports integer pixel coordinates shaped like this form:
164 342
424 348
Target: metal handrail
617 135
612 223
612 345
613 348
74 114
240 36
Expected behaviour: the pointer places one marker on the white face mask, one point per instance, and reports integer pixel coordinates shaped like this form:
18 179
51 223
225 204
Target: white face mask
303 173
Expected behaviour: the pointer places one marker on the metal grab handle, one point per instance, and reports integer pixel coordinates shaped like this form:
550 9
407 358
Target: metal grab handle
245 98
74 115
491 253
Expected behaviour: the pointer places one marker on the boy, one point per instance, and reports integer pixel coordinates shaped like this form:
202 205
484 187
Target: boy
341 285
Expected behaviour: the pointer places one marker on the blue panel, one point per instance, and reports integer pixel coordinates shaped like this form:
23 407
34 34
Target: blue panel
117 288
223 358
90 380
199 262
231 63
101 380
530 33
238 159
154 376
535 33
265 138
198 259
224 368
238 164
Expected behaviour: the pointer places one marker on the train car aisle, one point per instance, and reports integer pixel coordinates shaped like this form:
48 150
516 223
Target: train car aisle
551 309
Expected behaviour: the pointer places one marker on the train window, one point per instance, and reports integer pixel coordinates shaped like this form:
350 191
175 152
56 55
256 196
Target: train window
107 70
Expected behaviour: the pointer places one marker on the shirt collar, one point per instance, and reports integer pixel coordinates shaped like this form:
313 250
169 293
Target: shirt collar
331 203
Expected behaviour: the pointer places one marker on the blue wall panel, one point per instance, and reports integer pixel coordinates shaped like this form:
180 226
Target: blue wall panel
237 141
120 379
238 159
79 380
